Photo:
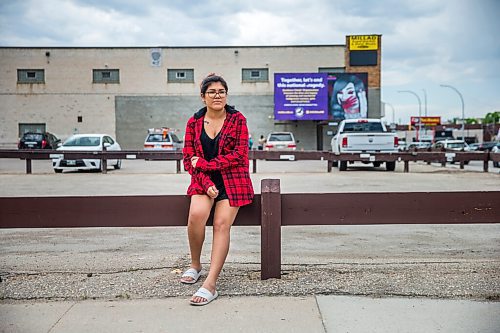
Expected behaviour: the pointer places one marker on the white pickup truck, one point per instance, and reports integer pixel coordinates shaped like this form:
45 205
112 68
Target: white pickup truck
364 136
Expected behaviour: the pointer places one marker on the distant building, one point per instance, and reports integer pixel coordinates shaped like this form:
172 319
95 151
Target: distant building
123 91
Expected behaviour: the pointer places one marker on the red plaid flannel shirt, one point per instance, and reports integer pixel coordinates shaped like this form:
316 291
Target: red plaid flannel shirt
232 161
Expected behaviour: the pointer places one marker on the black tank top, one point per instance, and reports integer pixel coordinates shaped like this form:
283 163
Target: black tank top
210 151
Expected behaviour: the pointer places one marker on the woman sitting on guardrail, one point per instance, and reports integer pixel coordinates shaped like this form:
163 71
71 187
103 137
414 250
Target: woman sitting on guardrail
216 156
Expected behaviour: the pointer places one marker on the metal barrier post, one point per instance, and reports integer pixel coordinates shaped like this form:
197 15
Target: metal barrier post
270 229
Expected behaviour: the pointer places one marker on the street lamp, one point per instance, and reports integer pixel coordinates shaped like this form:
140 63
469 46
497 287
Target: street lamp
425 108
425 102
419 110
393 112
463 107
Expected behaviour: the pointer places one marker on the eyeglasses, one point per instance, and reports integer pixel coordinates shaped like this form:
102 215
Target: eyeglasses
213 93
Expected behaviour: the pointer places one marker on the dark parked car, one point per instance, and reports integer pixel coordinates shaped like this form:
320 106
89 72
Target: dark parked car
44 140
487 146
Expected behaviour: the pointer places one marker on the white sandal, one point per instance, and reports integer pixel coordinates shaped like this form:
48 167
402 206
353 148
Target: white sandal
206 294
191 273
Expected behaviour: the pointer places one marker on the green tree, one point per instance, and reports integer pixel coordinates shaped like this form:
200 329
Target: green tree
469 121
492 118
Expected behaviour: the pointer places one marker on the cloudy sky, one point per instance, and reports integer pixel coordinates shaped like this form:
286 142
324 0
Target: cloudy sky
425 43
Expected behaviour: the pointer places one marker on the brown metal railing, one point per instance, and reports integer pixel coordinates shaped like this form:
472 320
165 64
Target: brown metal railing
271 210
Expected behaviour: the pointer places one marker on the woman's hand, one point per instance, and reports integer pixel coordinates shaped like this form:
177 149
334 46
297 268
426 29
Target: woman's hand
212 192
194 160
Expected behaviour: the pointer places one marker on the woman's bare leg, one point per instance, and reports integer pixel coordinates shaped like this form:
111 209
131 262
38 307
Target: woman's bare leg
199 211
223 220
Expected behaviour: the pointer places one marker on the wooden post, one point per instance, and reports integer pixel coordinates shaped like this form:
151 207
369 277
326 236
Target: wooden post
485 165
407 166
254 165
178 166
104 160
28 165
270 229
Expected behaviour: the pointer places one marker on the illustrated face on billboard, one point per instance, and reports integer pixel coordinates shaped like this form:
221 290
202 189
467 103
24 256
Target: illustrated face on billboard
347 95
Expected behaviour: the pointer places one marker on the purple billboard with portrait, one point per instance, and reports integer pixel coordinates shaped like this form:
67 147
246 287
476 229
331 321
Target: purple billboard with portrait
300 96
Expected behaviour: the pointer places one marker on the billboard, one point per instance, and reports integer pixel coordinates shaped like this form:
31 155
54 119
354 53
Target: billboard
300 96
347 95
428 121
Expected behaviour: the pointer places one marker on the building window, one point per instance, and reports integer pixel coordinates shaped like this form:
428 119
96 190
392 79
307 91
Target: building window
30 76
255 75
106 76
180 75
331 70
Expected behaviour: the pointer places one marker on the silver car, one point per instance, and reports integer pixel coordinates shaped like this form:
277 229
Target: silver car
458 145
85 142
418 145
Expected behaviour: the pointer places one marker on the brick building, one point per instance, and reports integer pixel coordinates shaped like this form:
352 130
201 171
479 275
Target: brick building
123 91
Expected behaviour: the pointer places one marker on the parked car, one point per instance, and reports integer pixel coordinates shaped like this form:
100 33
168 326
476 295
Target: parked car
86 142
45 140
474 146
162 139
280 141
496 149
458 145
418 145
402 146
487 146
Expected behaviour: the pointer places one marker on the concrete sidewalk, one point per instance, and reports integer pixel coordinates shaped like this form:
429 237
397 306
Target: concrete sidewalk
254 314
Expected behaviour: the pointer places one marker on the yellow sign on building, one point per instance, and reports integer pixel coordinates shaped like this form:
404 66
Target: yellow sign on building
363 43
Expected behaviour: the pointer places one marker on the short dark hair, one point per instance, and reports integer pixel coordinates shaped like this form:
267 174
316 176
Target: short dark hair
211 78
